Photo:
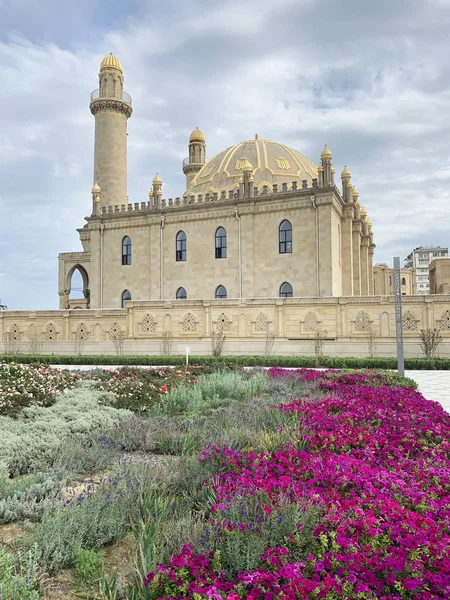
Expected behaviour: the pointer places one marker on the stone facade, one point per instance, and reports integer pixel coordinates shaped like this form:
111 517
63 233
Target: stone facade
440 276
383 281
343 322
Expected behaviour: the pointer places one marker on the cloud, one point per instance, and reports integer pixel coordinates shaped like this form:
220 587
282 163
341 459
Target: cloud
368 79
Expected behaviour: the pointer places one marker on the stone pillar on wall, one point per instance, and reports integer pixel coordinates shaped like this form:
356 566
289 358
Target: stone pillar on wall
371 282
356 247
207 324
280 318
365 266
347 251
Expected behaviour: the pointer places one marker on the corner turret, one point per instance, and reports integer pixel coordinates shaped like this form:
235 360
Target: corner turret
197 155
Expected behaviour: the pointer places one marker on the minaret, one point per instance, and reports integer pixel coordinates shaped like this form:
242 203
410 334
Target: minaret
111 107
197 155
327 173
346 184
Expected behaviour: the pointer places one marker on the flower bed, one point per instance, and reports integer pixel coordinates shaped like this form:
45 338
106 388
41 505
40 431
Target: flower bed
31 385
140 389
376 466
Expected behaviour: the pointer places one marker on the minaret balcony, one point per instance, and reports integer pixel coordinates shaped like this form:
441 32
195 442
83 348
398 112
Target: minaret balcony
196 164
125 97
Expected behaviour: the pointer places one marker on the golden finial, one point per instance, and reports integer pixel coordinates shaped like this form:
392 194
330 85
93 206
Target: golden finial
157 179
363 213
355 191
111 62
320 168
345 173
326 153
96 188
197 136
246 165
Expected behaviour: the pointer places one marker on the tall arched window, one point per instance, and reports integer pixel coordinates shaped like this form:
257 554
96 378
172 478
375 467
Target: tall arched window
285 237
125 297
181 294
286 290
221 292
403 281
221 243
181 246
126 251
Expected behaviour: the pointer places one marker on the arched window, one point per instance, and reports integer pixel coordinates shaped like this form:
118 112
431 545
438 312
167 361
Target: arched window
221 292
286 290
181 294
285 237
181 246
403 281
221 243
126 251
125 297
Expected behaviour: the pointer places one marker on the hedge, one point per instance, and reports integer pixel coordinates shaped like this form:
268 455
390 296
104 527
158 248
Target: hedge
333 362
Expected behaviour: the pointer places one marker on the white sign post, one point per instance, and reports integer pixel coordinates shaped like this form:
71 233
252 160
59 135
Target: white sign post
187 356
398 317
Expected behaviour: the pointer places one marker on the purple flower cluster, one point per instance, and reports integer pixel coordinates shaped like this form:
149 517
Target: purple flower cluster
378 466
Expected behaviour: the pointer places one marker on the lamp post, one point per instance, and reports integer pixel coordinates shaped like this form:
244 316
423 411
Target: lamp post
398 317
187 356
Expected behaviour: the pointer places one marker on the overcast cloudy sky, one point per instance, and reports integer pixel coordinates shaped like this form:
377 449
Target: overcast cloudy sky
370 79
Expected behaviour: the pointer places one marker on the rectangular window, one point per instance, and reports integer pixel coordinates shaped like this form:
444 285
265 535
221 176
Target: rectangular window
286 241
181 250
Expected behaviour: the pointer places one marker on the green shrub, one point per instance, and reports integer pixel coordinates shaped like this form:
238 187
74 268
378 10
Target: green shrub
334 362
31 385
92 519
211 392
31 442
18 576
88 565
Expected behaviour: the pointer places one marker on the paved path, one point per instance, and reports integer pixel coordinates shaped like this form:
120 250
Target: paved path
434 385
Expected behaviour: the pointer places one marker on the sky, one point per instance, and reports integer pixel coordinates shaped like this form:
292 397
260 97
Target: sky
369 79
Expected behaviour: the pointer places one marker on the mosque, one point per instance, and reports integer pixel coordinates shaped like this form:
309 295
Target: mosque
263 244
258 220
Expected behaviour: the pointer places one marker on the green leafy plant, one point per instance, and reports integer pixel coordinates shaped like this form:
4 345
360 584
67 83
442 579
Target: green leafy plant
88 565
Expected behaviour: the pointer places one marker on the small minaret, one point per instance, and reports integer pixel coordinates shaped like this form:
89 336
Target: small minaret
157 190
328 171
96 199
247 179
346 184
197 155
111 107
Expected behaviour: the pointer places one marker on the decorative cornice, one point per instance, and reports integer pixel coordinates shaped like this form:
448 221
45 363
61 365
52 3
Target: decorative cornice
111 104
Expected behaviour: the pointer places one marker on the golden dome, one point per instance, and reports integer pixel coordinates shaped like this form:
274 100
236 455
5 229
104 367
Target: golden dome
111 62
333 170
371 231
345 173
272 163
157 179
358 204
197 136
320 168
96 188
369 222
326 153
363 213
355 191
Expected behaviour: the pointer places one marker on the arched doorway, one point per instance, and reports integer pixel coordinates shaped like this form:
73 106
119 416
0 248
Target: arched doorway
78 287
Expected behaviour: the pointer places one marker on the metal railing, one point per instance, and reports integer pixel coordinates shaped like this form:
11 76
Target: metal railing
125 97
186 162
